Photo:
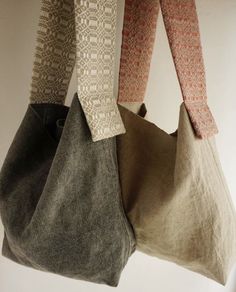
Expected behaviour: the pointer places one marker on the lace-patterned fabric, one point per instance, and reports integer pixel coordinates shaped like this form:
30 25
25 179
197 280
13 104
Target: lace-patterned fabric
181 22
139 28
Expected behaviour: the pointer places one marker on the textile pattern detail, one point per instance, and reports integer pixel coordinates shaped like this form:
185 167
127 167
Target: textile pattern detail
138 36
181 22
55 52
95 45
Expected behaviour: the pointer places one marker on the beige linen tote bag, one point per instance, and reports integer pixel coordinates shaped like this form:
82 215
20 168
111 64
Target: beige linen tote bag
173 188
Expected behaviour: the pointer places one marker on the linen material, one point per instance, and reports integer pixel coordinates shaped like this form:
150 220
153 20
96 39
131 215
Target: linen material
176 197
60 198
132 106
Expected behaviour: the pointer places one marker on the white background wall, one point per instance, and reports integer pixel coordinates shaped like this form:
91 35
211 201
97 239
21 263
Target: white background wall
18 24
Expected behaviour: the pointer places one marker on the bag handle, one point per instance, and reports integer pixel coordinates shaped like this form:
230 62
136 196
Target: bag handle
92 23
55 52
138 36
51 75
181 24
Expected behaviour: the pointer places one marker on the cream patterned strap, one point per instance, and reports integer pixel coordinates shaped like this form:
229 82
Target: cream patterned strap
84 29
95 45
181 22
138 36
55 52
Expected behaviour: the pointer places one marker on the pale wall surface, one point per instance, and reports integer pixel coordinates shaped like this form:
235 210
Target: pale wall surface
18 23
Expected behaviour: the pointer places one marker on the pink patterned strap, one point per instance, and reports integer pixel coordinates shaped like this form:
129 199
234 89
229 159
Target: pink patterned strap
181 22
139 28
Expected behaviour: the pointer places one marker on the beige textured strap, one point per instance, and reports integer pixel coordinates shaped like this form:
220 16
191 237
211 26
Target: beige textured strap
181 22
95 35
94 32
55 52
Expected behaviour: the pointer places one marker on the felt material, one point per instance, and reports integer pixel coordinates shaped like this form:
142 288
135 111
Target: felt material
175 196
60 198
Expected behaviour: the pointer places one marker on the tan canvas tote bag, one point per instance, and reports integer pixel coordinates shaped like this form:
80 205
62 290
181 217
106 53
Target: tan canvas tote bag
173 188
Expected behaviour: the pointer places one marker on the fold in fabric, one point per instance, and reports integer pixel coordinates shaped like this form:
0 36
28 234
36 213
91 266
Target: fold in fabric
95 47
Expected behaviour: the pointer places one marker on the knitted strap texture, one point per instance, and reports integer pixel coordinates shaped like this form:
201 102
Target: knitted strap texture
138 36
85 30
181 22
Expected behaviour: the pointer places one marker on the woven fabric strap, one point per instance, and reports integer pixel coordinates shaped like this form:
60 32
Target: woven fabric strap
94 31
55 52
138 36
92 24
181 23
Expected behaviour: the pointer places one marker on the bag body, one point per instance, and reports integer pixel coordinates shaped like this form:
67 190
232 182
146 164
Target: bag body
175 196
60 198
173 188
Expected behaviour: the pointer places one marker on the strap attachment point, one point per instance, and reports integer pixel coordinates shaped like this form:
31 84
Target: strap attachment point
201 118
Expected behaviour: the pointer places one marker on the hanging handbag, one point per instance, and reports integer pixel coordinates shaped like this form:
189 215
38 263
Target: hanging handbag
173 188
60 198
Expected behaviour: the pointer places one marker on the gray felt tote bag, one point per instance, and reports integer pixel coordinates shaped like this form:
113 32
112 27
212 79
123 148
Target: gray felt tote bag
59 191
